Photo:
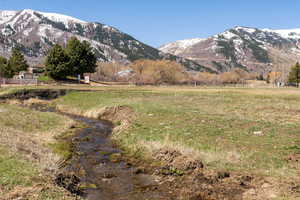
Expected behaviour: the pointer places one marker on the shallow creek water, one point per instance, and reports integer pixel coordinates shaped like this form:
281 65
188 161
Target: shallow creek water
97 166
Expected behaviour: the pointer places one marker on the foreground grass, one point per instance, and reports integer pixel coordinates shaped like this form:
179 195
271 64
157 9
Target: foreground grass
20 179
24 154
236 129
15 171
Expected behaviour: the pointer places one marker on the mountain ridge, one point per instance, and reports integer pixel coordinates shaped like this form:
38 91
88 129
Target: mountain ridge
253 49
35 32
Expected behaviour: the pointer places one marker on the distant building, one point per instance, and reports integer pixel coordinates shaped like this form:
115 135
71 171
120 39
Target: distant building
24 75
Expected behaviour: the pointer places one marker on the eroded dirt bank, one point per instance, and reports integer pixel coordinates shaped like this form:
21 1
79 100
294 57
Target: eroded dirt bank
97 168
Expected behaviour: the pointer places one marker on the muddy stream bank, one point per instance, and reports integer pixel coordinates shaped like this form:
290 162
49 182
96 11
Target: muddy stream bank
96 170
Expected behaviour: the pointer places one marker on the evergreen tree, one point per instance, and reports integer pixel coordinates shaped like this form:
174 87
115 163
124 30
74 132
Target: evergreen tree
82 58
76 58
57 63
3 63
5 71
17 62
294 75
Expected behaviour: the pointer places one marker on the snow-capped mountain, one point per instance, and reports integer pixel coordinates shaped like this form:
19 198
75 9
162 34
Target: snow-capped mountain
35 32
258 50
181 45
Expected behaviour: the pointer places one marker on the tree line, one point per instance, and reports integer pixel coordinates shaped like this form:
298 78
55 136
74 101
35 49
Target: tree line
77 58
156 72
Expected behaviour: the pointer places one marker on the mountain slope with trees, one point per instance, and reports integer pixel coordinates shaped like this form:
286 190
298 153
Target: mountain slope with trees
34 33
250 49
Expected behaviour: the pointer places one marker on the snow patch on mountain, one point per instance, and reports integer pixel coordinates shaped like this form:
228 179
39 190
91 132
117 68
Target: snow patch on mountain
246 29
286 33
27 31
109 28
11 17
61 18
181 44
21 19
6 15
228 35
189 42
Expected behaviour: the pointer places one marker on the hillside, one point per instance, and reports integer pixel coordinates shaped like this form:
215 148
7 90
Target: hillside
252 49
35 32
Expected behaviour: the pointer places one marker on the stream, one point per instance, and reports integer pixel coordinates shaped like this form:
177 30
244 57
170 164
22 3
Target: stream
97 167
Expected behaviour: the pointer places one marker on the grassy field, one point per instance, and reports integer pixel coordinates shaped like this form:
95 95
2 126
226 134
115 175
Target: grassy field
234 129
241 130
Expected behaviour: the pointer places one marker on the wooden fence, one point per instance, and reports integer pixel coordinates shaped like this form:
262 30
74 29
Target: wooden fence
7 81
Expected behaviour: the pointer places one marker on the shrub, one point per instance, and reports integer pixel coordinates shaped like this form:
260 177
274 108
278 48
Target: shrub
158 72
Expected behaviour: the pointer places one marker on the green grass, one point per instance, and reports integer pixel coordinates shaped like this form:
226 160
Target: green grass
218 123
45 79
27 120
17 174
15 171
4 91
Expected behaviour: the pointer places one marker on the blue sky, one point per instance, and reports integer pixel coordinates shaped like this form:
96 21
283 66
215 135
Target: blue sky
156 22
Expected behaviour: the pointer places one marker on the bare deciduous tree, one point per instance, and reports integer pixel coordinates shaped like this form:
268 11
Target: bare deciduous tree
107 71
158 72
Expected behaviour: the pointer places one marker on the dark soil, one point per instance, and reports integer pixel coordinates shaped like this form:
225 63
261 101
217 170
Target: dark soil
44 94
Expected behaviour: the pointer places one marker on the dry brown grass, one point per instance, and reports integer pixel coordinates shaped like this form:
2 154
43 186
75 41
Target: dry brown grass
32 147
233 157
